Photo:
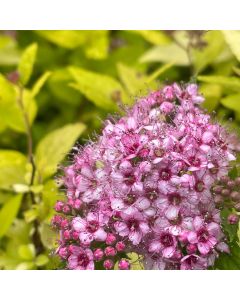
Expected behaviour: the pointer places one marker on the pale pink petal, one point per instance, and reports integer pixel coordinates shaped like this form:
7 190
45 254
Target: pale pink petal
100 235
223 247
172 212
144 227
155 246
142 203
135 237
203 248
86 238
79 224
168 252
192 237
198 222
121 228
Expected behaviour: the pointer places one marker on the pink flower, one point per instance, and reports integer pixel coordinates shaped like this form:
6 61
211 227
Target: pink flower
193 262
132 225
164 243
81 259
90 228
146 185
204 236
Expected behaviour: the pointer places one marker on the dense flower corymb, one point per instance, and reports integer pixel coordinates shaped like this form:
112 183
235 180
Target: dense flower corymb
146 186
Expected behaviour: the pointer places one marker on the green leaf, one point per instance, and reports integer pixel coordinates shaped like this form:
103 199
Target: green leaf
9 54
132 80
26 63
41 260
205 56
8 213
11 111
27 252
171 53
20 188
231 83
212 94
94 42
59 86
48 236
69 39
104 91
13 168
28 265
232 38
232 102
53 147
155 37
39 83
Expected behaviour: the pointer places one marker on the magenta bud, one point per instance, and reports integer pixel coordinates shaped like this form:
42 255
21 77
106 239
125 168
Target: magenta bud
66 209
233 219
63 252
57 220
191 248
108 264
111 239
98 254
235 195
110 251
64 223
59 206
77 204
123 264
75 235
67 234
120 246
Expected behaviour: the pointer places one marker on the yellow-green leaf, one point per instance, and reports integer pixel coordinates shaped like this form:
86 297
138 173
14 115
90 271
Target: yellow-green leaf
12 168
232 102
39 83
8 213
104 91
26 63
232 38
231 83
166 54
54 146
11 111
155 37
214 46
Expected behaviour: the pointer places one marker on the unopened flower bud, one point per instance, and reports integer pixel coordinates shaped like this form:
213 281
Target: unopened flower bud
98 254
225 192
225 179
191 248
110 239
233 219
110 251
63 252
120 246
235 195
231 183
108 264
123 264
217 189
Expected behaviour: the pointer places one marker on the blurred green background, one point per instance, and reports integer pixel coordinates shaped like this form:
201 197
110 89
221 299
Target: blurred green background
56 87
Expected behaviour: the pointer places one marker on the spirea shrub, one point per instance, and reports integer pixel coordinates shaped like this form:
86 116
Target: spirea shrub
153 183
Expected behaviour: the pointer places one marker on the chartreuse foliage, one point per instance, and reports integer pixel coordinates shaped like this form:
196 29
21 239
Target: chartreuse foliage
57 86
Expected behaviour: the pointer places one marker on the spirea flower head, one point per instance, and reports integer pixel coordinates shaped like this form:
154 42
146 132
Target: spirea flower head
146 186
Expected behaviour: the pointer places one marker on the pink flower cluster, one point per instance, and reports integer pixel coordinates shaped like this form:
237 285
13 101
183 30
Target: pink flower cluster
145 186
